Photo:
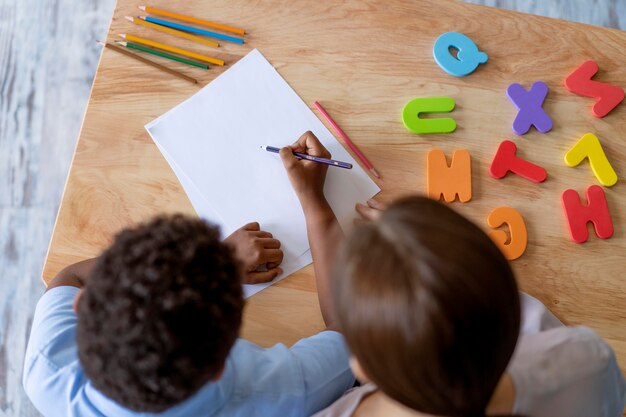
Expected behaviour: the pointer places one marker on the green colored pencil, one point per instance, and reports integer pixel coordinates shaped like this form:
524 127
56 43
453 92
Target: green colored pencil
162 54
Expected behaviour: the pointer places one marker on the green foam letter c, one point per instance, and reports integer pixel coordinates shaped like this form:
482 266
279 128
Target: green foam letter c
413 109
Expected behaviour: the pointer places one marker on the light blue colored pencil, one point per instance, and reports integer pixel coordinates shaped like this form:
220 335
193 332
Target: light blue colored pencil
191 29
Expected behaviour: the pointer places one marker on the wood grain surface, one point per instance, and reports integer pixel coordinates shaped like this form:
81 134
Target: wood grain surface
364 61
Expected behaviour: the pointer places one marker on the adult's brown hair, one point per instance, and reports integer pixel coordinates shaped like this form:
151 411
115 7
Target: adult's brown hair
429 307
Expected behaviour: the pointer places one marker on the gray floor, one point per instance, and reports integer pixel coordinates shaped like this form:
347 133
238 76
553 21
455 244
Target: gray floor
610 13
48 58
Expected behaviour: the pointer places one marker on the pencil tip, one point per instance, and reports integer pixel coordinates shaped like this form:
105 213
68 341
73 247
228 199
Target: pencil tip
373 171
123 35
141 17
129 18
142 8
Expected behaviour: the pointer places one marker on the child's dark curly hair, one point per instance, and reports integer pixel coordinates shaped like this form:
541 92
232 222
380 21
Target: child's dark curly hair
160 313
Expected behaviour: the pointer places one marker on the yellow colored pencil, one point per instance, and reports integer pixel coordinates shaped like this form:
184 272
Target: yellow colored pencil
179 33
190 19
173 49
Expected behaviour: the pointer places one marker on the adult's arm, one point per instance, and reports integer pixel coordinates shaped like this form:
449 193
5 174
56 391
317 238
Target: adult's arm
325 235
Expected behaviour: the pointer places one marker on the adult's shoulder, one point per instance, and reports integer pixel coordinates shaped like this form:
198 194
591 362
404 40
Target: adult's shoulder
348 403
566 371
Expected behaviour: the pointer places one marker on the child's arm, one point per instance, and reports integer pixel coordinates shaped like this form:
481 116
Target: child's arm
252 246
73 275
307 179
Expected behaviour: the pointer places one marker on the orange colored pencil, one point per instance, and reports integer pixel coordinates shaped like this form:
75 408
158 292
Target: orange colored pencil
191 19
172 49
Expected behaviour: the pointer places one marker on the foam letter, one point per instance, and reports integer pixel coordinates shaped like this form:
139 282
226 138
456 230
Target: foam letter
413 109
596 211
589 147
506 160
529 105
608 96
467 59
449 181
517 229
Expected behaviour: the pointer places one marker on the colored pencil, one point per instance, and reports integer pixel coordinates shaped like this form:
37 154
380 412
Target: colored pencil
190 19
192 29
179 51
139 20
147 61
308 157
347 140
156 52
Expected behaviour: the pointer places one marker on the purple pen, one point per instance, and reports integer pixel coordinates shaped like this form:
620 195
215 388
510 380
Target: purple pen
308 157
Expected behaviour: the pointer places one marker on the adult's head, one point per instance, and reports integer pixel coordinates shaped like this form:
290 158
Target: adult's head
160 313
429 307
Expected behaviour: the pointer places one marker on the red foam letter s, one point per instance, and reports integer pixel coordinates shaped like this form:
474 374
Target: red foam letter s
596 211
608 95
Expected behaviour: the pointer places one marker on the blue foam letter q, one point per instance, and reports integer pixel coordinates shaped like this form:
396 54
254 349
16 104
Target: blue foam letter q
467 60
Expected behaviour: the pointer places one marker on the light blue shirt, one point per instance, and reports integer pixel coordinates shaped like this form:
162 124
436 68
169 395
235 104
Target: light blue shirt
256 382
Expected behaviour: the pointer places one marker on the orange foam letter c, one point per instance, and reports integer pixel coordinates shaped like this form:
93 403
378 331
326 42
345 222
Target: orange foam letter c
514 247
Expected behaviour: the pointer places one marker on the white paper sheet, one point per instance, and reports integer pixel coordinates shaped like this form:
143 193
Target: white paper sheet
291 263
212 141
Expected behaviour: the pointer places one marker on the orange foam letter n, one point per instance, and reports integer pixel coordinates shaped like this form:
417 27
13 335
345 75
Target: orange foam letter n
512 246
449 181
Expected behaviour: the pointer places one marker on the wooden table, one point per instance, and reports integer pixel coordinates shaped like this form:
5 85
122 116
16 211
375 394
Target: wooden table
364 61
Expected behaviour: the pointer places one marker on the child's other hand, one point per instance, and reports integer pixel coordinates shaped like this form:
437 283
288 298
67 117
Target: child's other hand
255 247
307 177
372 211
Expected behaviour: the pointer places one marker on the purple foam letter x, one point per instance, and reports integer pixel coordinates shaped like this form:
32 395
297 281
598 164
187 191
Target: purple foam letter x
529 105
